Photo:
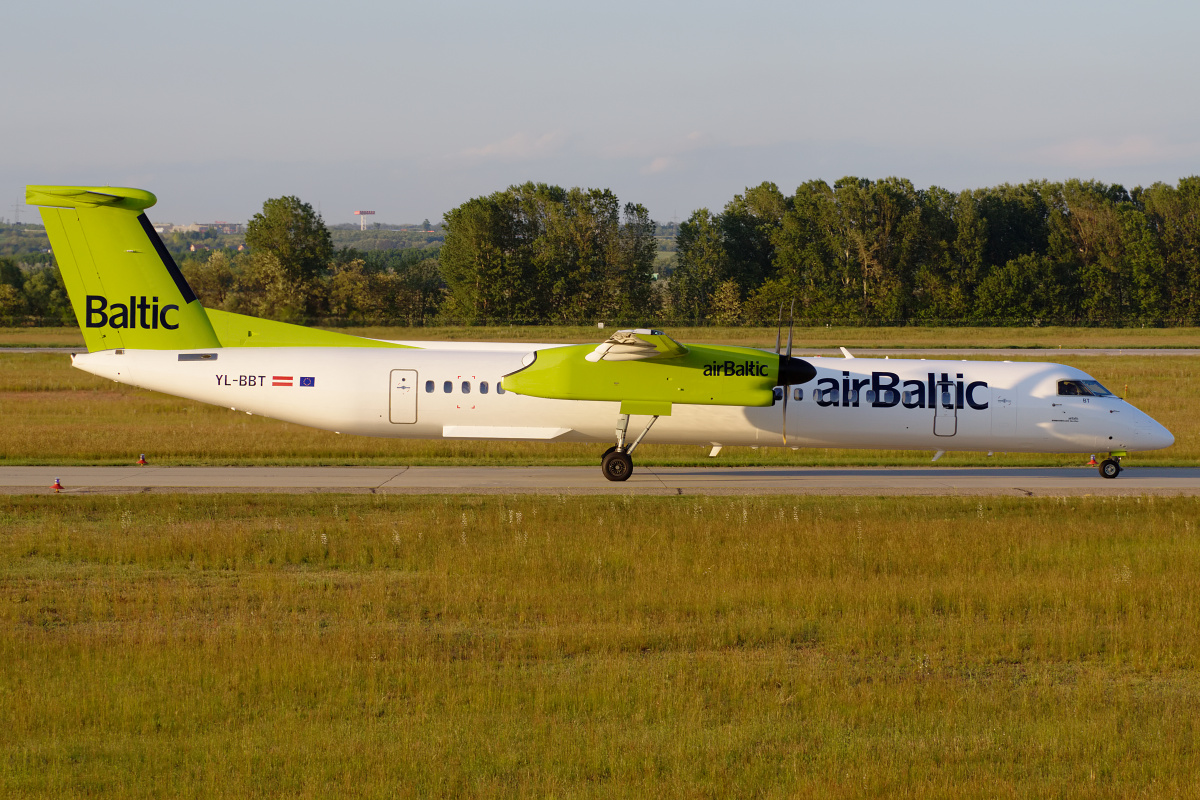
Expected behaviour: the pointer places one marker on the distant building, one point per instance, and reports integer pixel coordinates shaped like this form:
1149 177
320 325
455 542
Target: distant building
201 227
228 227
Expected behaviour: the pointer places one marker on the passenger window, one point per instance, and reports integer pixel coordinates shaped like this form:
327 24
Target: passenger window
778 392
831 395
909 397
797 393
870 396
483 387
466 387
852 396
448 387
499 387
428 387
947 400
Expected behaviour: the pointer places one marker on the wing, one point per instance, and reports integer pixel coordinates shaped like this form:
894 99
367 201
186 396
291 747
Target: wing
635 345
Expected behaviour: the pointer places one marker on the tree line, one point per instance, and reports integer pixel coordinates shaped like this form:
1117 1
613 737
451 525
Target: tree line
884 252
857 252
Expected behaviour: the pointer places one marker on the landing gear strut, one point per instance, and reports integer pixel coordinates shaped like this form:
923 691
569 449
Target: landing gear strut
617 464
1110 467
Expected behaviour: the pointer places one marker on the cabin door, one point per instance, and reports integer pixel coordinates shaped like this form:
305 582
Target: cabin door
403 406
945 417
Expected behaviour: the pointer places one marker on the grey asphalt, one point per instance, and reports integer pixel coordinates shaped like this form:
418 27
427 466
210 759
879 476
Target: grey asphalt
588 480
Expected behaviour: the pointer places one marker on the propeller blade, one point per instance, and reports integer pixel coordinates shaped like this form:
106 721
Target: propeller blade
785 394
787 387
778 328
791 326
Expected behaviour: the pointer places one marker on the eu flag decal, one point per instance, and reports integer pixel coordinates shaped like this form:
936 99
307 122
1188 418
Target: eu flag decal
308 381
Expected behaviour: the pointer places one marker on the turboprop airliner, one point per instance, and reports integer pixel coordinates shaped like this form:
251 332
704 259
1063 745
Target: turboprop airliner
144 326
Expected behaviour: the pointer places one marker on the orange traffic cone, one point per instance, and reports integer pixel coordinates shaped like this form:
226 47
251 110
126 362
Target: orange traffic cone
57 487
1092 462
142 460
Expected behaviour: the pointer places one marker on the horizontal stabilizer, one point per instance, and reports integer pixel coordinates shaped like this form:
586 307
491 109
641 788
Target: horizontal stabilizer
89 197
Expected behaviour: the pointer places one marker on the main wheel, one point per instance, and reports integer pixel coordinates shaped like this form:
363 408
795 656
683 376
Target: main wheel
604 455
617 466
1109 468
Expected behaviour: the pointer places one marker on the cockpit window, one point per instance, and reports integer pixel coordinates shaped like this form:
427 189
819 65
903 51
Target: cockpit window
1095 388
1088 388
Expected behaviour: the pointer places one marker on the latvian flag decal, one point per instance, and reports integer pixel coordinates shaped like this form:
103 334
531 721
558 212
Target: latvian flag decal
281 380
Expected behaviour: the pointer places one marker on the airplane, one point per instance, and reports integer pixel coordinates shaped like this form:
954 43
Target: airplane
144 326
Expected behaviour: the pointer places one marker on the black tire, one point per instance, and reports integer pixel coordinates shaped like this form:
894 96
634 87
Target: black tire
1109 468
617 466
612 449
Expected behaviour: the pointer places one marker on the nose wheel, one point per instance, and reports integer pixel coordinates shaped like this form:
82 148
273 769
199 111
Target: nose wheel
1110 468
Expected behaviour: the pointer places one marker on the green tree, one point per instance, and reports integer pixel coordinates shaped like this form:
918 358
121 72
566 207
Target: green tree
1173 214
701 265
749 224
536 252
46 296
213 280
486 261
726 306
300 250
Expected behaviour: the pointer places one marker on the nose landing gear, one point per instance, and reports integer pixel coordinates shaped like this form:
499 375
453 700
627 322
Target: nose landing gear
1110 467
617 463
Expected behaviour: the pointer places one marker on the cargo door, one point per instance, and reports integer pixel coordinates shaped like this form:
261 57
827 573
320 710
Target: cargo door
403 407
1004 412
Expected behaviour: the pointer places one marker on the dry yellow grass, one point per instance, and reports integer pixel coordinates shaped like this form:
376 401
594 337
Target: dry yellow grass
252 646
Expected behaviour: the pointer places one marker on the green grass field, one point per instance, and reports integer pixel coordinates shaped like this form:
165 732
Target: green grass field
55 414
316 646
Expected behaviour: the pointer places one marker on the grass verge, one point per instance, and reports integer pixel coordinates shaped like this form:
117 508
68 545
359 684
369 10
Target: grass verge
244 646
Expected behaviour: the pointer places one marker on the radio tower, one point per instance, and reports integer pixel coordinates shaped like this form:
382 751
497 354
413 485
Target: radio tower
362 219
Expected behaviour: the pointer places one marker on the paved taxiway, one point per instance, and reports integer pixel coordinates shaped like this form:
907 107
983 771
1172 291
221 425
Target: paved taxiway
588 480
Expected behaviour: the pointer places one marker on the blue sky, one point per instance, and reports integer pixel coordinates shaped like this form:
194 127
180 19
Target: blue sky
411 109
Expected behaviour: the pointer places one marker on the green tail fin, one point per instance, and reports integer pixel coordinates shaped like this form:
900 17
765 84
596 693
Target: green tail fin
126 289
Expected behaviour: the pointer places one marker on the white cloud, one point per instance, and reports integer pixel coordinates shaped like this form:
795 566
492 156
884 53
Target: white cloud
1094 152
520 146
660 164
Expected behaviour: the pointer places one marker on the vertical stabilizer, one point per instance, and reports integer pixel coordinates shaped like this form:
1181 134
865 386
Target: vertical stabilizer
126 289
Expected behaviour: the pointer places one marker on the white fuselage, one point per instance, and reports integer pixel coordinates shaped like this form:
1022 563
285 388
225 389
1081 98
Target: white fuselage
436 391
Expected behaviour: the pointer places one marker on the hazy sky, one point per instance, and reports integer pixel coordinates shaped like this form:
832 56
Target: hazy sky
411 109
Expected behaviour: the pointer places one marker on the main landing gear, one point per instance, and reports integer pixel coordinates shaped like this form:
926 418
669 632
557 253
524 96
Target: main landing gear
617 464
1110 467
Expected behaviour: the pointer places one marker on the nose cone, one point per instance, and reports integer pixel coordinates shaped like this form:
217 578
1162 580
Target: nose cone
1155 437
795 370
1148 434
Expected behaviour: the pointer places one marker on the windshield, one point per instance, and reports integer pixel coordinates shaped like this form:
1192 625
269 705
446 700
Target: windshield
1095 388
1085 388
